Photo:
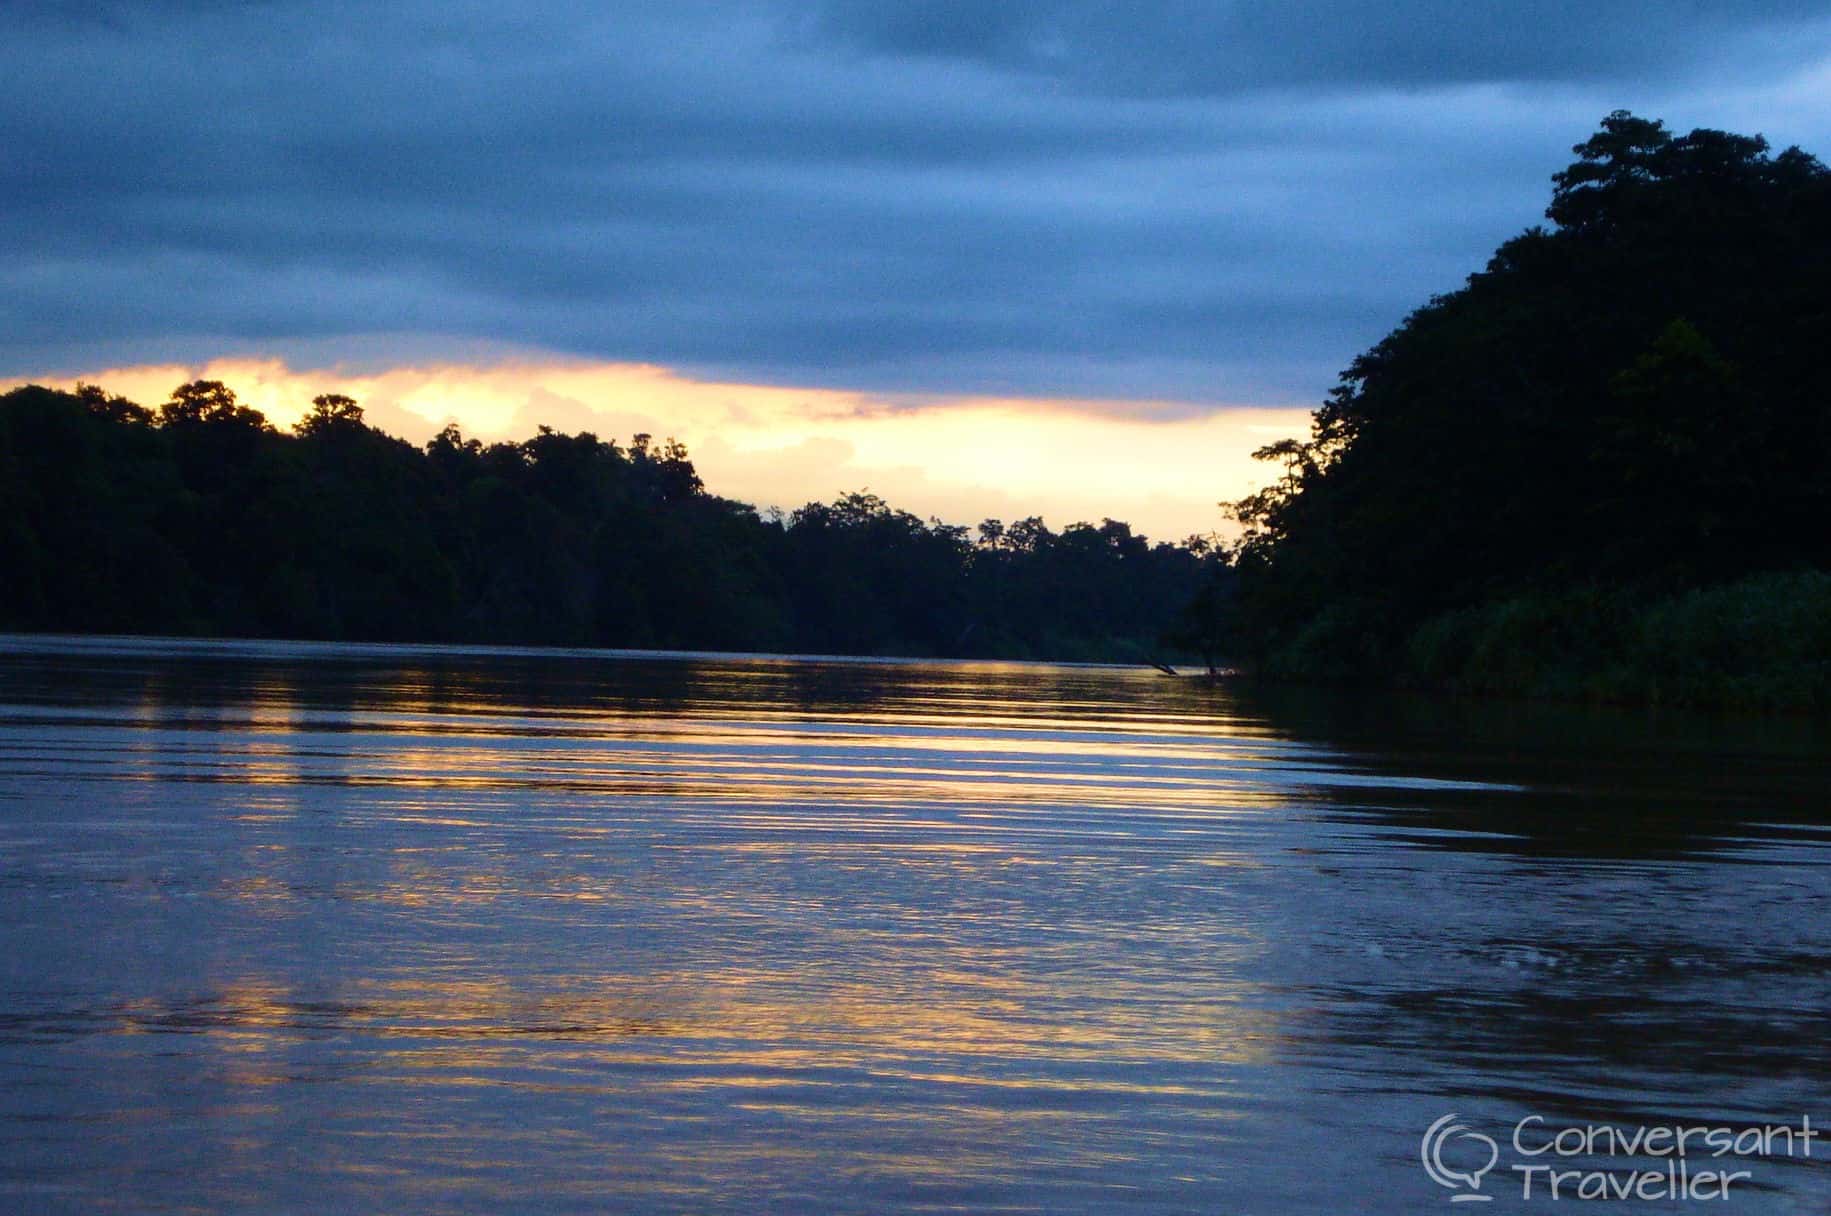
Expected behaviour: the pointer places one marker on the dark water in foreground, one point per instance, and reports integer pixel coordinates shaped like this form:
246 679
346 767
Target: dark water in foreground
327 929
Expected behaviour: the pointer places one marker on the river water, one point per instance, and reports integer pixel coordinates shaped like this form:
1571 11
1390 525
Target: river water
299 928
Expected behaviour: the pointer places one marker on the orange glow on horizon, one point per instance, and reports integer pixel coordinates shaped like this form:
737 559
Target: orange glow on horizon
1160 466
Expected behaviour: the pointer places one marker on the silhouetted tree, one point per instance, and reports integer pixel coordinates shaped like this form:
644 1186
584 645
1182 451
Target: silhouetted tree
208 401
330 412
1634 397
212 522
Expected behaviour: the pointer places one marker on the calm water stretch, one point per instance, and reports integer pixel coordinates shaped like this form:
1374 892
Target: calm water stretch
290 928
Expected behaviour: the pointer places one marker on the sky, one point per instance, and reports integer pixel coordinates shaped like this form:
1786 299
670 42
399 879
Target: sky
983 259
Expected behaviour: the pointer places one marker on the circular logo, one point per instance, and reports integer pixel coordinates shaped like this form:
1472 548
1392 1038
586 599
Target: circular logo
1430 1152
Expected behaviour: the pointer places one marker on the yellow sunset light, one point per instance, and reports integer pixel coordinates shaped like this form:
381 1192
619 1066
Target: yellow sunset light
1161 466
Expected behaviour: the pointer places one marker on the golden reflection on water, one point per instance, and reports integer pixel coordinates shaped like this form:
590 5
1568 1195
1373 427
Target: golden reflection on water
745 762
904 799
680 935
746 1028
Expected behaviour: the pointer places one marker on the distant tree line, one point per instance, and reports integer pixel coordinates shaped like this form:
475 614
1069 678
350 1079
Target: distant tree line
1550 479
201 518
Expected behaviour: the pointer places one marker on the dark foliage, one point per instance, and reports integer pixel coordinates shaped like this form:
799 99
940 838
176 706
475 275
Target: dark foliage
200 518
1635 399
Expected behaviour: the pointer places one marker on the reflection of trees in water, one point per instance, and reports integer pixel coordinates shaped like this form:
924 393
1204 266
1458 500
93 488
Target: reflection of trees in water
1619 922
430 679
1622 1022
1565 781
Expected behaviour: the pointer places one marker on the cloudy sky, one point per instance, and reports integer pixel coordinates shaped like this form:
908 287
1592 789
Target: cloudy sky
984 257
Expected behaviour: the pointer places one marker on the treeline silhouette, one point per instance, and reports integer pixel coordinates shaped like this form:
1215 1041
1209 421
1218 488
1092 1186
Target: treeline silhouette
200 518
1601 468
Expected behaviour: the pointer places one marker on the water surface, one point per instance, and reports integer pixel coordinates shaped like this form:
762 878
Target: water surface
290 928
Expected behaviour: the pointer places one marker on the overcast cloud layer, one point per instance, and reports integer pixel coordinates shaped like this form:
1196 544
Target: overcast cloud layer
1188 203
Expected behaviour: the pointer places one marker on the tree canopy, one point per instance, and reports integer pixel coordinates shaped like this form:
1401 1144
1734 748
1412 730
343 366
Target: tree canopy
201 518
1638 395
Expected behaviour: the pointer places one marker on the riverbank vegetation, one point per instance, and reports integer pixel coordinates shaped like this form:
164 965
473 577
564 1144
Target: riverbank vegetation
200 518
1601 469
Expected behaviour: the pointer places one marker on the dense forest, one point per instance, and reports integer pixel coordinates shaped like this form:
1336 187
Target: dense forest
1601 468
200 517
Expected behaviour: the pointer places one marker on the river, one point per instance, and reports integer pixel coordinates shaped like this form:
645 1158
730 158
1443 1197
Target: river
315 928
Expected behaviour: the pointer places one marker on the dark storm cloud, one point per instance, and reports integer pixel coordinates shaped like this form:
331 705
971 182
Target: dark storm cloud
1183 46
1215 202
